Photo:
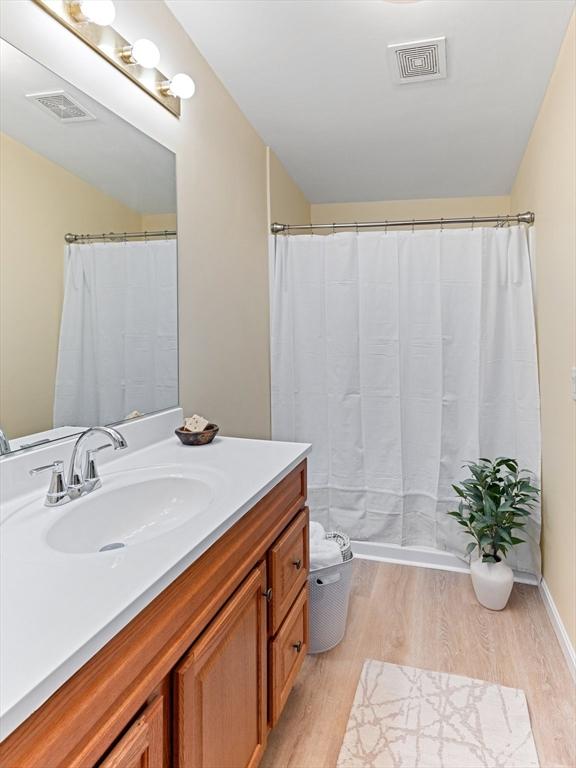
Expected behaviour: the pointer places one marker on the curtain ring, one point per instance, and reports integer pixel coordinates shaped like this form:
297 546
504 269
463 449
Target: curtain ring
145 236
441 225
356 227
412 226
333 227
473 222
386 227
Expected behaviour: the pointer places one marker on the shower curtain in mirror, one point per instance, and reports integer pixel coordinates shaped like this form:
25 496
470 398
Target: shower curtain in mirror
399 356
118 337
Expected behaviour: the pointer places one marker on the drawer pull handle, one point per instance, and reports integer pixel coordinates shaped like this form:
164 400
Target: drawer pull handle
297 564
297 646
268 594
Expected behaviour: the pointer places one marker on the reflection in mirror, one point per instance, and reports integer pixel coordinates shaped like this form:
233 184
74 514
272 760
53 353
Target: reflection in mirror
88 327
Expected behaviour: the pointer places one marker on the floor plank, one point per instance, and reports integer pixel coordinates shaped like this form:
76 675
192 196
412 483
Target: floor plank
429 619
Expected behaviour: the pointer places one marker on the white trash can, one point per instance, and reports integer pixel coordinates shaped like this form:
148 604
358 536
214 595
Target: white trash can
329 594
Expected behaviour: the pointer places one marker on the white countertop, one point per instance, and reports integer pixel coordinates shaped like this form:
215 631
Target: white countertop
58 609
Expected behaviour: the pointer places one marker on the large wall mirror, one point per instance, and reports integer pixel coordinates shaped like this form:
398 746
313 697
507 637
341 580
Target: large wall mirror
88 280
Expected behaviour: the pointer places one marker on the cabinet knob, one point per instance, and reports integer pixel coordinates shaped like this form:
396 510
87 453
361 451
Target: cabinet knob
297 646
297 564
268 594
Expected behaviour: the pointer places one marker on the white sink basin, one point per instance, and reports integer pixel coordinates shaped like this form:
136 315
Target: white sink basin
127 511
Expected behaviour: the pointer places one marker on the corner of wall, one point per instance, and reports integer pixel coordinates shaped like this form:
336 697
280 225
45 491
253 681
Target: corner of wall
286 201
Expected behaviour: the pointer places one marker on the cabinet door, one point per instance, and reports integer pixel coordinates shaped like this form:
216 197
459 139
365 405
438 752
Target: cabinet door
142 744
220 686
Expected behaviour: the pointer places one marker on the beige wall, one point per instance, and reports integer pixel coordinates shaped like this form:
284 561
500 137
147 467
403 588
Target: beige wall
327 213
546 184
287 202
158 221
222 205
39 203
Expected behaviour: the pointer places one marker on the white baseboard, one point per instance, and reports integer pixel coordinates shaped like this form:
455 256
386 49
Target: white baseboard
558 625
422 557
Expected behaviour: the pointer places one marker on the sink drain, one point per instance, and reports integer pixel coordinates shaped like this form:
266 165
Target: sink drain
113 545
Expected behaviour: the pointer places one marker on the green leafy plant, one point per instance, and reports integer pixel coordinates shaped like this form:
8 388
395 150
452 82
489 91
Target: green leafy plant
494 502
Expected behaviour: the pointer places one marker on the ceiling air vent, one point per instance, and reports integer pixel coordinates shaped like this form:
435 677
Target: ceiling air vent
418 61
61 105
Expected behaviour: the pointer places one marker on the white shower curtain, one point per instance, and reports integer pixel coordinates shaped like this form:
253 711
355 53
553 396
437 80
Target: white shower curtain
399 356
118 337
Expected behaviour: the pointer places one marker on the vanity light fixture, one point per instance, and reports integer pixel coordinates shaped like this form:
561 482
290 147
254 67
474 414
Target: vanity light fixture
143 52
90 20
99 12
181 86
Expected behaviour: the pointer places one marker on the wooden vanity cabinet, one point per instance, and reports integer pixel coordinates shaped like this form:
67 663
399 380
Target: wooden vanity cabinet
200 675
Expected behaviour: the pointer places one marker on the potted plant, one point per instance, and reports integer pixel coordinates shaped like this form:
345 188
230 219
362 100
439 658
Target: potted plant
494 502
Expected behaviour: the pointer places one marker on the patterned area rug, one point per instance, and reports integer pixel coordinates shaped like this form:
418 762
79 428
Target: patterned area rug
404 717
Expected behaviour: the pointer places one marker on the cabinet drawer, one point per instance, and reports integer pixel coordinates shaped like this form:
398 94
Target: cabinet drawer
142 745
287 653
288 569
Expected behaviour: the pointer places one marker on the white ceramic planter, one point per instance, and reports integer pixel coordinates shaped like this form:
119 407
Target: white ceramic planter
492 583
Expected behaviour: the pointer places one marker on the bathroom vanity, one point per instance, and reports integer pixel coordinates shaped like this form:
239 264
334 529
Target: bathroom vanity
202 628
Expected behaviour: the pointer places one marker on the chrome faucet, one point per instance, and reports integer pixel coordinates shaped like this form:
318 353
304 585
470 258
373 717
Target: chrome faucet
85 479
81 480
4 444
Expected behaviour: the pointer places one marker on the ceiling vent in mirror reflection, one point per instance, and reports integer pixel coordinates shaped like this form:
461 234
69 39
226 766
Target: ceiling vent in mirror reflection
419 60
61 105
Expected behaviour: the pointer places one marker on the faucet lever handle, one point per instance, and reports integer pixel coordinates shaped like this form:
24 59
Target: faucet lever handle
56 466
57 490
90 470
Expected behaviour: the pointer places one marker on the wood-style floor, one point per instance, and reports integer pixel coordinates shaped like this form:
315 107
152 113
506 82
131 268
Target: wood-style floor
429 619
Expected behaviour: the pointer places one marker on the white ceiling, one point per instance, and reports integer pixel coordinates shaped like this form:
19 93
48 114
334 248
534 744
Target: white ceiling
313 78
108 152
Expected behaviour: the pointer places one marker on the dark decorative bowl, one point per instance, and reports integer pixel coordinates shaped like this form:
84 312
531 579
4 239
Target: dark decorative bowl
198 438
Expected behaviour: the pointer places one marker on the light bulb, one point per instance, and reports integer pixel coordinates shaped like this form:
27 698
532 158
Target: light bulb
100 12
143 52
181 86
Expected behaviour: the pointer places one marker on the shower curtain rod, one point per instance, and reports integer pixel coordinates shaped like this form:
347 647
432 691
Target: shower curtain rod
115 236
500 221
